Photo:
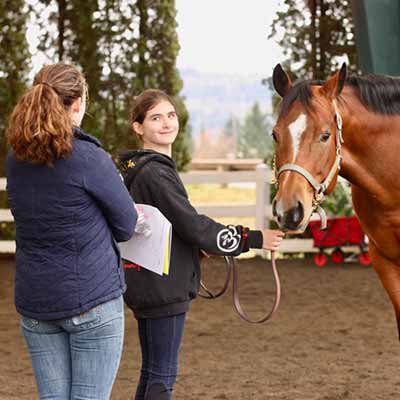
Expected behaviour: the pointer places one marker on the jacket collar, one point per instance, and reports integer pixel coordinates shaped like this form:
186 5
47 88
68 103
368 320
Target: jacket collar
132 161
81 135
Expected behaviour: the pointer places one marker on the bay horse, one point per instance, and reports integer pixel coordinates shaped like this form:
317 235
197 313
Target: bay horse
348 126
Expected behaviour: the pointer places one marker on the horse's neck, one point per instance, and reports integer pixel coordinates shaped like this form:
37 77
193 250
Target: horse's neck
371 149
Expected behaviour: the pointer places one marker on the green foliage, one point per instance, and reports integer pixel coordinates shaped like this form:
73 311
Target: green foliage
158 49
14 63
254 139
7 231
317 33
123 48
338 203
94 36
183 143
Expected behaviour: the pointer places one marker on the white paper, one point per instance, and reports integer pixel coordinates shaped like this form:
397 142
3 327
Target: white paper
149 251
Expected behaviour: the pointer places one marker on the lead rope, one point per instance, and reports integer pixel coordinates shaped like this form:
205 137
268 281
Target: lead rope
232 270
209 294
235 293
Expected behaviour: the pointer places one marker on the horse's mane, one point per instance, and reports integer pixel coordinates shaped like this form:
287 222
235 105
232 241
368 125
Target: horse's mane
380 94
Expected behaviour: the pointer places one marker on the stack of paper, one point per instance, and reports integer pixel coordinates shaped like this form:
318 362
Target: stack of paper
150 251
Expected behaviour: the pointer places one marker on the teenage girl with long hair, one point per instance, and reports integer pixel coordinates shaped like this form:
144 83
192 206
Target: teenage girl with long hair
160 303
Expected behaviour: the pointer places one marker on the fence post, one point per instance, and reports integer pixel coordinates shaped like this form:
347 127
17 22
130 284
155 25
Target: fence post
262 196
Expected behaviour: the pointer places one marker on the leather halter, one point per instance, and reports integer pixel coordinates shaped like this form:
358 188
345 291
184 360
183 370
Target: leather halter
319 188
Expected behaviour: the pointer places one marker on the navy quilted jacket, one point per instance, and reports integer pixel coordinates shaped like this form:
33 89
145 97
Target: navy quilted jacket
68 219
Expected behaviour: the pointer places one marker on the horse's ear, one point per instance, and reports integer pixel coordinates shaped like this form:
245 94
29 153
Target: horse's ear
342 77
281 81
334 85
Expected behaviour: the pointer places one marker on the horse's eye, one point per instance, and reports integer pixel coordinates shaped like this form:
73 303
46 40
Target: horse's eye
325 136
274 136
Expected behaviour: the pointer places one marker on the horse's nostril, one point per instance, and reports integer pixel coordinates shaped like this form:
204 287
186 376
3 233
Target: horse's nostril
300 210
274 208
294 216
298 213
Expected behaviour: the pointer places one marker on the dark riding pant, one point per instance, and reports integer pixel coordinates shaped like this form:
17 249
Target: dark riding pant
160 340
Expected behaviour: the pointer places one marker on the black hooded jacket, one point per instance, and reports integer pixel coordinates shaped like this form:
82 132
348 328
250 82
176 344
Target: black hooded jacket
152 178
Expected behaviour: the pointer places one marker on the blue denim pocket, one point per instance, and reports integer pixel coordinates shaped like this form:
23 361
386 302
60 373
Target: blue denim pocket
29 323
87 319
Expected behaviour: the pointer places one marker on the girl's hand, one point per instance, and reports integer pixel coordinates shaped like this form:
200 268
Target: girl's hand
272 239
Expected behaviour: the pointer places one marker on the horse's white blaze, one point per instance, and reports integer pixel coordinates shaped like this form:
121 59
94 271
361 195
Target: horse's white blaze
296 130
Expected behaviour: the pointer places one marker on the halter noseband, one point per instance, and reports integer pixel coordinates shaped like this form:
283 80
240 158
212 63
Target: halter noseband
319 188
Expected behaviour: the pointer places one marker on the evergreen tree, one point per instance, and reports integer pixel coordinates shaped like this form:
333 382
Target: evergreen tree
255 140
123 48
52 44
158 49
316 34
75 38
182 144
14 63
114 28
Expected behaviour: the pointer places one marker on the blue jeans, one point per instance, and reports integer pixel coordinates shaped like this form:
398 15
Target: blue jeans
78 357
160 340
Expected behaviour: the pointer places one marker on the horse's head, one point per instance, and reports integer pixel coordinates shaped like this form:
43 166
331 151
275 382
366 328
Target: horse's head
306 135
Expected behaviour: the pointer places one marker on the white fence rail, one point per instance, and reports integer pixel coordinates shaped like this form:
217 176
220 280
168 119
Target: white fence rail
261 210
6 246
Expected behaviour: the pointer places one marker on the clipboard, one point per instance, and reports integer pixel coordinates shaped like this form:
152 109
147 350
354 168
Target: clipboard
153 251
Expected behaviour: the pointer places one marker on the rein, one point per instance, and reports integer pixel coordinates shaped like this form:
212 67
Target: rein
319 188
232 269
209 294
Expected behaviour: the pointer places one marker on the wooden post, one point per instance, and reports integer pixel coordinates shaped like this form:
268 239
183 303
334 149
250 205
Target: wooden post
262 196
222 168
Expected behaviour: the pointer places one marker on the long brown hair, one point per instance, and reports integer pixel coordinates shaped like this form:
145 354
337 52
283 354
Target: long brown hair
146 101
40 128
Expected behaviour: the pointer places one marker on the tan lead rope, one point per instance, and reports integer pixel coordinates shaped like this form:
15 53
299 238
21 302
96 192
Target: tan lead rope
235 290
209 294
232 269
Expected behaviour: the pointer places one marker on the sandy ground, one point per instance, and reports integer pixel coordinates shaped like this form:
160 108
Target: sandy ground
334 338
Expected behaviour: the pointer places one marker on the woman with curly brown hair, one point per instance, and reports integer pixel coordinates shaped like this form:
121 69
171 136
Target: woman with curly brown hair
70 208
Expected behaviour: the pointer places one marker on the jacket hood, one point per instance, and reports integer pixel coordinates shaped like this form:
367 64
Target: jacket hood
132 161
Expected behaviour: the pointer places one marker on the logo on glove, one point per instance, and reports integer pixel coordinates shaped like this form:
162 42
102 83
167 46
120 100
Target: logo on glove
228 239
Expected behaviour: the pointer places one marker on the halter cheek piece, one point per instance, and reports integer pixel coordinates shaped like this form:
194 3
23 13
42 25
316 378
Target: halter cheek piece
319 188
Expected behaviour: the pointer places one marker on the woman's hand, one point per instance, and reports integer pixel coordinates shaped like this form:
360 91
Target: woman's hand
272 239
142 225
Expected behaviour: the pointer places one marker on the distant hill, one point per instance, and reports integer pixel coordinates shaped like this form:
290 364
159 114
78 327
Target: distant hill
213 98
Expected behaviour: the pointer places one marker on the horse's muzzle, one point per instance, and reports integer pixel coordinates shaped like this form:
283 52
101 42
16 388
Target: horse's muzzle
289 220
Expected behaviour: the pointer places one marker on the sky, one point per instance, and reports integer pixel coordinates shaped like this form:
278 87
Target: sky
227 36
